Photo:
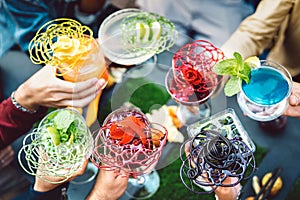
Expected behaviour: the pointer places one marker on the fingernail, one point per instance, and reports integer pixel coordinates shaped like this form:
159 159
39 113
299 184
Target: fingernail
101 84
294 101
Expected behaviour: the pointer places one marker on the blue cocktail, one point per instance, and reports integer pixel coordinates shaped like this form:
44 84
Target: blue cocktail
264 98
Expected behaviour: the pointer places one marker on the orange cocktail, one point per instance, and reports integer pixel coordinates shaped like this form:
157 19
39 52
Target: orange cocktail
76 55
87 62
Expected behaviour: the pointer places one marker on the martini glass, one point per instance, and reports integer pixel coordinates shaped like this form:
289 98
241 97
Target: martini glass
265 97
76 56
58 147
127 141
211 160
132 36
191 81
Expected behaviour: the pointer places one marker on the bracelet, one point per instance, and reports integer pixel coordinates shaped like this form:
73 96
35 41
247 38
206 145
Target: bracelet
18 106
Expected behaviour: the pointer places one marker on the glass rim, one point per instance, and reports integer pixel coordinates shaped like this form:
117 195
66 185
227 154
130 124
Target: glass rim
287 76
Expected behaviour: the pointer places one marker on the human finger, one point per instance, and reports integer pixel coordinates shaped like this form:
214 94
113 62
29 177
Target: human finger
90 83
6 152
94 89
294 100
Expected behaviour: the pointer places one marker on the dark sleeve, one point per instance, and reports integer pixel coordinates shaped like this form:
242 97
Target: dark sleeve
14 122
59 193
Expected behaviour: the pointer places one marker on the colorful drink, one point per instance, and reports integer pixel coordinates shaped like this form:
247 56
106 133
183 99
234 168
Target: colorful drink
76 56
132 36
265 97
191 81
267 86
130 139
58 147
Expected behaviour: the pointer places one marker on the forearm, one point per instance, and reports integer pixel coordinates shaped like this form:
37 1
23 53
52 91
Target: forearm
12 122
257 31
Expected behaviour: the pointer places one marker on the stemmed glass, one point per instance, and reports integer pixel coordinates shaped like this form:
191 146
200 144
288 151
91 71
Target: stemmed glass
128 142
76 56
191 81
132 36
211 160
265 97
58 148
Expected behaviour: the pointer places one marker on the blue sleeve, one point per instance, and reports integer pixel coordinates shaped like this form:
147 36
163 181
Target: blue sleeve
58 193
28 16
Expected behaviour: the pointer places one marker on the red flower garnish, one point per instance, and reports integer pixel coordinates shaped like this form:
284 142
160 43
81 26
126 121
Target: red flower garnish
191 75
127 129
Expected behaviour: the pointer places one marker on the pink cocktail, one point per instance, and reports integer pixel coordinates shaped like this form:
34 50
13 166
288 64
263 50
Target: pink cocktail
128 142
191 80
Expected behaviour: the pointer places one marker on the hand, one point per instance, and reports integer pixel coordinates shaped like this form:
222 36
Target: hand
293 109
45 89
109 185
224 193
6 156
43 186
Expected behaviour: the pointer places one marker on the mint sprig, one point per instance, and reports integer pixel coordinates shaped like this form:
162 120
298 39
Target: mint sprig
237 69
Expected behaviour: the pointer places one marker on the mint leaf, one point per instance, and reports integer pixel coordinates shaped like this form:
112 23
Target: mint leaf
239 60
226 67
232 86
246 72
237 69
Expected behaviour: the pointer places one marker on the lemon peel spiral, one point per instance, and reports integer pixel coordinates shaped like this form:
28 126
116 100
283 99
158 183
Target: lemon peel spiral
61 42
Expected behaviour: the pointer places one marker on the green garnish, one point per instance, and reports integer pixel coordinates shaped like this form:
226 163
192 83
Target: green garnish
146 32
63 120
238 70
54 134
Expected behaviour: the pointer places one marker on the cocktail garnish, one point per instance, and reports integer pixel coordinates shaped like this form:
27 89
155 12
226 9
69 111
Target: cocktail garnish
127 129
58 147
238 70
62 43
212 158
192 66
147 32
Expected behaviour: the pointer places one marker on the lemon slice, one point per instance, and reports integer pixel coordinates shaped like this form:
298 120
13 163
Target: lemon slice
54 134
142 32
156 30
147 33
253 61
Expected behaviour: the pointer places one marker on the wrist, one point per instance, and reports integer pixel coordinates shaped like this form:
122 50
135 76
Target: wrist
96 195
24 101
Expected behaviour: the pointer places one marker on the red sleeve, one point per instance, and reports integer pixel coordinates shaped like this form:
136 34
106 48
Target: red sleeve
14 122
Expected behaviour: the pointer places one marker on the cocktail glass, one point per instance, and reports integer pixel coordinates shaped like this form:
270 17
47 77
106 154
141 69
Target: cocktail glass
132 36
265 97
74 53
58 148
191 81
128 142
210 160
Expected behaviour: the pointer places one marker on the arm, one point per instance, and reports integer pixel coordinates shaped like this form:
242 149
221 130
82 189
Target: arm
257 31
28 17
42 90
42 190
